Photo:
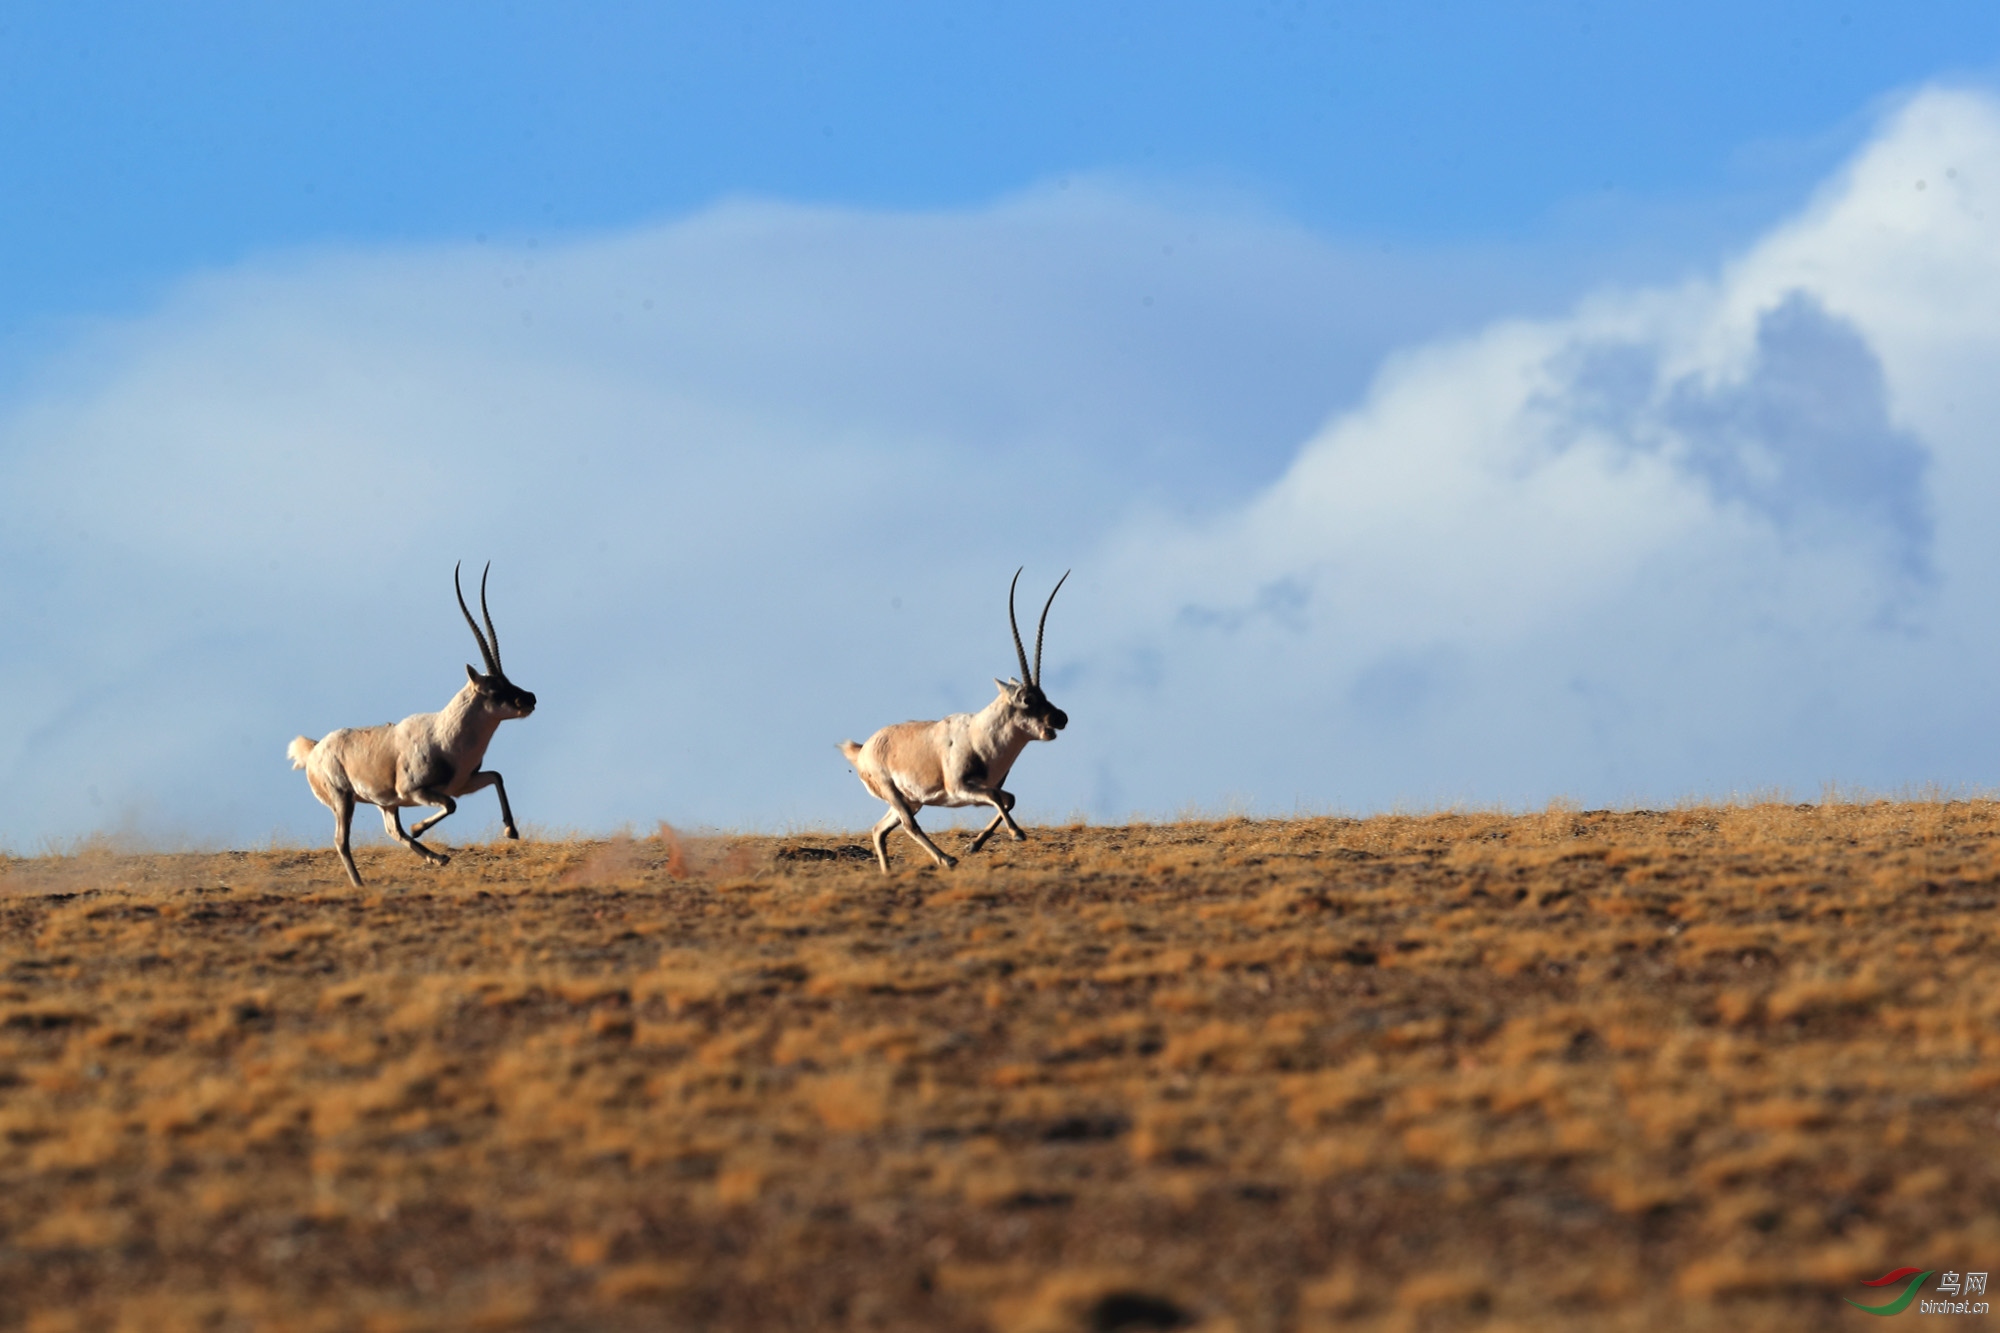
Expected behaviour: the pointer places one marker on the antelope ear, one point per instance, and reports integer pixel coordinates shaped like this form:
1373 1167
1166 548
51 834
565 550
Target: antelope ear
472 675
1007 686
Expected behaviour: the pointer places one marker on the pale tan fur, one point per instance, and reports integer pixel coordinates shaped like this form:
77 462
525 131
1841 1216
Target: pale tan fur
957 761
962 759
427 759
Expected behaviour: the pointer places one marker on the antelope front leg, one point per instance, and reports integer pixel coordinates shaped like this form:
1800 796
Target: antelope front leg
480 781
984 834
908 814
506 811
444 803
1003 807
392 820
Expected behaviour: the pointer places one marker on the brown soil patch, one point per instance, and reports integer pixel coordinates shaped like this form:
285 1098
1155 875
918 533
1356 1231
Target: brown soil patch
1698 1069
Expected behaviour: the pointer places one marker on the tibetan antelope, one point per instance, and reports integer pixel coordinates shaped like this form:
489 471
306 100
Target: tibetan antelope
963 759
426 759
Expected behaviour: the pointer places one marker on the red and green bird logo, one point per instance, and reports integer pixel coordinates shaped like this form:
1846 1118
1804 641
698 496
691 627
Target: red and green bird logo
1916 1279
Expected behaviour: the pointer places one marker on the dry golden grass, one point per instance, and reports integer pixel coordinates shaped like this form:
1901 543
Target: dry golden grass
1695 1069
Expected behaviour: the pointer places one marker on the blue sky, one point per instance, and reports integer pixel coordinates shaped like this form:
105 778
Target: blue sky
1438 403
141 142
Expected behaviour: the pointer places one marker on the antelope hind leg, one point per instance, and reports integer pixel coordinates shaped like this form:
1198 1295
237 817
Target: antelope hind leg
392 819
343 825
880 836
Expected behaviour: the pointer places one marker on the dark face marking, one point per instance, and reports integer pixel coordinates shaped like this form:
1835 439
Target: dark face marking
503 694
1042 717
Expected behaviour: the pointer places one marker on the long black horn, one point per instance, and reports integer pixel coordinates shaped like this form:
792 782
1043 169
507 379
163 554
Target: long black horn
1019 651
1045 624
492 635
486 653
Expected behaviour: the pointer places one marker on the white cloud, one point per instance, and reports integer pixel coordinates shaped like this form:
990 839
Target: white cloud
1721 536
753 481
710 458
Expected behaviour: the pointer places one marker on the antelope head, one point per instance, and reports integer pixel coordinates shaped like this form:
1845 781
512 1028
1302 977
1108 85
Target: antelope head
503 696
1025 700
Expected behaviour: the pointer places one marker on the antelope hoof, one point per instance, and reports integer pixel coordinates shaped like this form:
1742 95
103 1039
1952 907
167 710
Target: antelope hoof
439 858
949 862
513 833
1017 835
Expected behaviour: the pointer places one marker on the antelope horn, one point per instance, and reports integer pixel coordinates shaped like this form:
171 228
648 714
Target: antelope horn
492 665
1019 651
493 635
1045 624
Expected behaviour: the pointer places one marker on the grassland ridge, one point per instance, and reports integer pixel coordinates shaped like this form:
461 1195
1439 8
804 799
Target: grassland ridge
1703 1067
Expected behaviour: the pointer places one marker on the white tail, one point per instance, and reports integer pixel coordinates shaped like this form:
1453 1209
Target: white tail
426 759
962 759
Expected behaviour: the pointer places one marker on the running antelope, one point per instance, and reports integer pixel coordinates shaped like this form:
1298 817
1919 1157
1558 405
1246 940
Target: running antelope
963 759
426 759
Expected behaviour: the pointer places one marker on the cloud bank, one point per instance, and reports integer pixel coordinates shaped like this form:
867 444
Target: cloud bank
1729 535
754 481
